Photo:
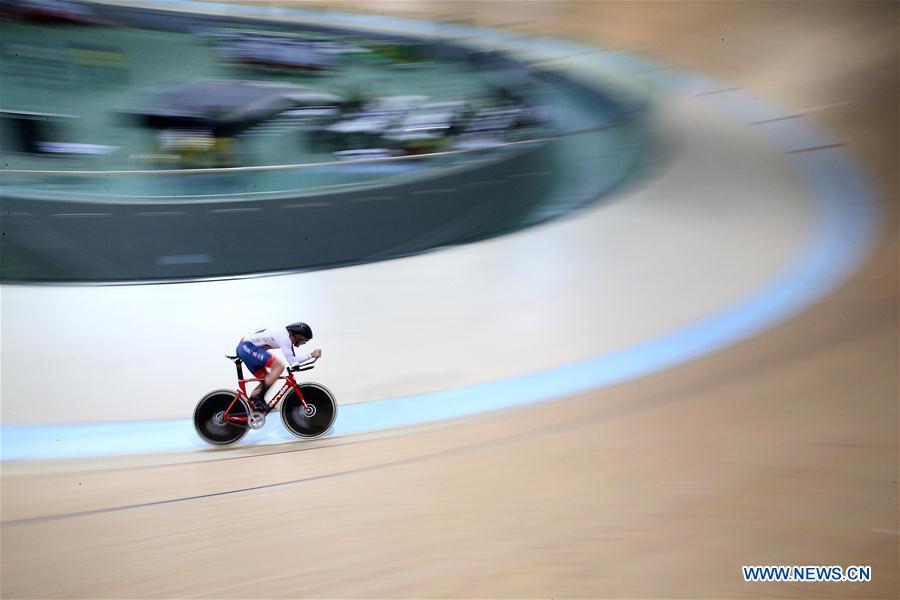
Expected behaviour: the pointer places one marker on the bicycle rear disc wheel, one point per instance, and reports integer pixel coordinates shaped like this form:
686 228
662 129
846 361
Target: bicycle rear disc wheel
209 418
313 420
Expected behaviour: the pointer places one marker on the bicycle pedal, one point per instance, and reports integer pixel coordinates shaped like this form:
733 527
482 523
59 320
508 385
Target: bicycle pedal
256 420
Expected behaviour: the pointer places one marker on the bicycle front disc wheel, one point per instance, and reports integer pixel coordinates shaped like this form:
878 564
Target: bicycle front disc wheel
211 418
316 417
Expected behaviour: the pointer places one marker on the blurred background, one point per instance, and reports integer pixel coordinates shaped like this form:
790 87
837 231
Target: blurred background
128 108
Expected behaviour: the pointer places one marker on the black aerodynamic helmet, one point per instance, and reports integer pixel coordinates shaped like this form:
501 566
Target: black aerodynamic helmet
300 329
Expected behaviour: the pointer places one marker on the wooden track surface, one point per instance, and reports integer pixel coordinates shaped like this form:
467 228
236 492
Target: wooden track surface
780 450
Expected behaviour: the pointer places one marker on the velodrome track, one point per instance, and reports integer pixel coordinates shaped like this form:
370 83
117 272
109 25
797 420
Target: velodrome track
779 450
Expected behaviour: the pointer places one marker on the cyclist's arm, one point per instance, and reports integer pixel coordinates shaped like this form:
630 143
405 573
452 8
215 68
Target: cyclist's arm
288 350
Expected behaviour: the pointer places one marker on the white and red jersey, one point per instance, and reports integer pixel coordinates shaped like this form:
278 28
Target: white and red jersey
277 337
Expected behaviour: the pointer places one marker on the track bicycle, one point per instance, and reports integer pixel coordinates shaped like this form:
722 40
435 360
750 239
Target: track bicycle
308 409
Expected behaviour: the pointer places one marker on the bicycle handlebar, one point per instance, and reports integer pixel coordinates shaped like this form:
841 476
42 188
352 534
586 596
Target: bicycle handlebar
303 366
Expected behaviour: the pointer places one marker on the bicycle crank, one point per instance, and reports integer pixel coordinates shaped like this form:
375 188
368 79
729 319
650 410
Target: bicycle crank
256 420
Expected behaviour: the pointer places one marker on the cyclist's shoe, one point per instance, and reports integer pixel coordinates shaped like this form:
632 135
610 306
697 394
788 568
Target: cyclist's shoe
259 405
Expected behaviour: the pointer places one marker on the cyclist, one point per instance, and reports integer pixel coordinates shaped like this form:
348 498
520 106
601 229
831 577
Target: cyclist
254 348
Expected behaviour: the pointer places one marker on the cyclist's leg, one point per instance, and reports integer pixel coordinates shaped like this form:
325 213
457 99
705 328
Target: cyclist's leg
276 368
259 390
257 360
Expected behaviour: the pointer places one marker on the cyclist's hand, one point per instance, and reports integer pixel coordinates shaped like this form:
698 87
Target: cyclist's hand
316 353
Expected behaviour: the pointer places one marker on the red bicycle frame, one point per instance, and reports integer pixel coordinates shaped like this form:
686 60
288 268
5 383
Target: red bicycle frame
289 384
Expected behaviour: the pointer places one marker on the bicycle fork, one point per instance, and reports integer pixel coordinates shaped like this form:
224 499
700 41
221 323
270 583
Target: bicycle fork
296 389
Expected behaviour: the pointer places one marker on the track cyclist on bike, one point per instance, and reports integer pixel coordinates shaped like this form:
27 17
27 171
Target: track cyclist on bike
253 350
